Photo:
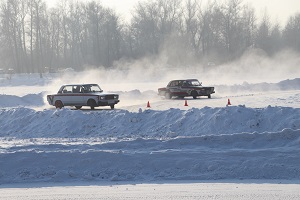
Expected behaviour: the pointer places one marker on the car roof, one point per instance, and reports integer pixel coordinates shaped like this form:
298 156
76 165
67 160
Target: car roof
79 84
186 80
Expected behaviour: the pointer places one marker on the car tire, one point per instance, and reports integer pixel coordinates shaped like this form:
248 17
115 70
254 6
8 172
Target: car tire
92 103
58 104
194 94
209 96
168 95
112 107
78 107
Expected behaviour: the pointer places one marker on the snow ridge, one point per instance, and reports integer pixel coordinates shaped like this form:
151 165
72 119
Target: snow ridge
28 123
268 155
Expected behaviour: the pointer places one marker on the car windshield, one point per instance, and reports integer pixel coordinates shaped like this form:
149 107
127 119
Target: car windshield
91 88
194 83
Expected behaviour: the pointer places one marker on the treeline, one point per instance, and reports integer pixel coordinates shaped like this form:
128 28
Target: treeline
76 34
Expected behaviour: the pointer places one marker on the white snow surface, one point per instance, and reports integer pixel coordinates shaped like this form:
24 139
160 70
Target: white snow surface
257 137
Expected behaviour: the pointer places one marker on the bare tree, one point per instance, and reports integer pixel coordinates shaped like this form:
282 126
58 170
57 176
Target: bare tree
113 37
249 26
153 22
291 33
11 30
192 24
232 27
263 34
168 17
145 28
211 19
276 43
76 34
55 17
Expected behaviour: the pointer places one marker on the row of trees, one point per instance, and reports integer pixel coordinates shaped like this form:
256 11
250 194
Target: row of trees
76 34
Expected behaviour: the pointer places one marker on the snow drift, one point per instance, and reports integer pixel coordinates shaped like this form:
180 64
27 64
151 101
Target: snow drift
28 123
195 144
239 156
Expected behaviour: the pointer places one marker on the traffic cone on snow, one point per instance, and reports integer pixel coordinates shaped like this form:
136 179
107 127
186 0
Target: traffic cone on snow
185 104
228 103
148 105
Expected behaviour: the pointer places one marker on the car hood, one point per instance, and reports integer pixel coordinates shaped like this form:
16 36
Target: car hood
103 93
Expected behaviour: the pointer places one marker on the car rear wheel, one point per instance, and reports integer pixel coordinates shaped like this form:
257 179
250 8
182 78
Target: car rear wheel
78 107
92 103
168 95
58 104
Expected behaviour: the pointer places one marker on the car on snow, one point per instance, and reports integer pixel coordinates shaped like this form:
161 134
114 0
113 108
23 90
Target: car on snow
79 95
184 88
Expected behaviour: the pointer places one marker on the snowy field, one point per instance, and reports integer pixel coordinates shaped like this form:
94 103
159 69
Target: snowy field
160 191
256 138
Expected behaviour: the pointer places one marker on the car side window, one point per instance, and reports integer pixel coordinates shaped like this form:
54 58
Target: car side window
173 83
64 90
86 89
81 89
67 89
76 89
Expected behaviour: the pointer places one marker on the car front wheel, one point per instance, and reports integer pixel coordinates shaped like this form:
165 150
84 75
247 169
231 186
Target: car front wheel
92 103
112 107
194 94
58 104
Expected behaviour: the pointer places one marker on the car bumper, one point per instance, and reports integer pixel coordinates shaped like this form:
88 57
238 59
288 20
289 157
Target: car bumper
108 103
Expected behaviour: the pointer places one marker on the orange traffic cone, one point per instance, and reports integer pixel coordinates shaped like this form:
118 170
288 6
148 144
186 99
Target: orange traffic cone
148 105
228 103
185 104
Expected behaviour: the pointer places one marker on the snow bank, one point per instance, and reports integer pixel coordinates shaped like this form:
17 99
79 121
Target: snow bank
293 84
29 100
268 155
117 145
28 123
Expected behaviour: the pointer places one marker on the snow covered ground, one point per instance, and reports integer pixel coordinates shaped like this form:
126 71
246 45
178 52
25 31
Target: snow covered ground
183 190
257 137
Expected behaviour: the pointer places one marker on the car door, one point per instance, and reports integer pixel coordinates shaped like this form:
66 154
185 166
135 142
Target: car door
66 95
87 93
171 86
77 95
175 87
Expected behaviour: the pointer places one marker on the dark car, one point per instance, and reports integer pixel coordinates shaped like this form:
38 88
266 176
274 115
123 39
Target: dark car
185 88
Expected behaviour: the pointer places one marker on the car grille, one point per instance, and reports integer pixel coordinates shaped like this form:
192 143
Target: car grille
109 97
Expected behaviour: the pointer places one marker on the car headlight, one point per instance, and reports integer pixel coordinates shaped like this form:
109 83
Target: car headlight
116 96
102 98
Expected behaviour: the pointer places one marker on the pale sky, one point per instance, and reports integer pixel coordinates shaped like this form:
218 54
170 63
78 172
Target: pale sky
278 10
